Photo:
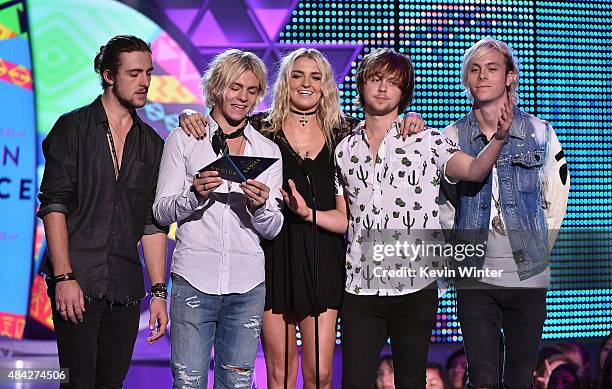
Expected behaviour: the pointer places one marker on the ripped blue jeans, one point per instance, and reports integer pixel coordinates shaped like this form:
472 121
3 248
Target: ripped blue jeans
230 322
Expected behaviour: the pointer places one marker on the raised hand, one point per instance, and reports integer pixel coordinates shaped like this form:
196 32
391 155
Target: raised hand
296 202
505 119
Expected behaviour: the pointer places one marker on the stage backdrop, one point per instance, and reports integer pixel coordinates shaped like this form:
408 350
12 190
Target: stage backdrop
566 78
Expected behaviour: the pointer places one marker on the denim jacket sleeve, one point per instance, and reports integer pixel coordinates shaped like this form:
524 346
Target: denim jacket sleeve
555 185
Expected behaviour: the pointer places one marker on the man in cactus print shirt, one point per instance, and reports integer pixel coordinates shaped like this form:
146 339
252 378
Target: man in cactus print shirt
397 193
387 191
391 186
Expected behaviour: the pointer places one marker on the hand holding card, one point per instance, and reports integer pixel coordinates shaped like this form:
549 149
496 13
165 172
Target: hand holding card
257 193
239 168
205 182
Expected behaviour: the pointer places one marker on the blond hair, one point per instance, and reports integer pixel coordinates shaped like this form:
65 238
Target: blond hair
328 114
479 49
225 68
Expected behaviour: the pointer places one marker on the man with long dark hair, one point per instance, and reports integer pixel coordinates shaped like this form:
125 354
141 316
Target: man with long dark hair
96 200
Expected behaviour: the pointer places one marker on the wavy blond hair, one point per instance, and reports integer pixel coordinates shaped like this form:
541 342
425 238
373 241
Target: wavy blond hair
329 114
479 49
225 68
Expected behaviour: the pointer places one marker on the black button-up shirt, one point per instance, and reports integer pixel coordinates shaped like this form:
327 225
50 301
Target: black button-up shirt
106 217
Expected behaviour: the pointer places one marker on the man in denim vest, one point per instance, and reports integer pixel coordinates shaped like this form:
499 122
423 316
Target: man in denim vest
516 212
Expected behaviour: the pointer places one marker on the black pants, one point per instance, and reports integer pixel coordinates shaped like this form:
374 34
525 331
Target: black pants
367 322
98 351
483 313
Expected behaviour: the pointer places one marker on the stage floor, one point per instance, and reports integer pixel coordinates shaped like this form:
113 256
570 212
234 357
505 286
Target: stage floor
150 366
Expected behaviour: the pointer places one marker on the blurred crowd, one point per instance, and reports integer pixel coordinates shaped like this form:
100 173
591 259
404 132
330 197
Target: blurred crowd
562 366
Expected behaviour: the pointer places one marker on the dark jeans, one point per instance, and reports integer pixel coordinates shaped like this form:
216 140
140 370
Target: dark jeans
367 322
98 351
483 313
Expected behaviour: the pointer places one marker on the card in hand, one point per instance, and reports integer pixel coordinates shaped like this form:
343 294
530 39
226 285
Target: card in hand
239 168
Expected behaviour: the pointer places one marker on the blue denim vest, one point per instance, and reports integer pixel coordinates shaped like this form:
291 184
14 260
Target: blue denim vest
519 168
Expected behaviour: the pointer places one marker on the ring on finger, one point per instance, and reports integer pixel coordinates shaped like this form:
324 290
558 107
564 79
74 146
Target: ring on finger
259 193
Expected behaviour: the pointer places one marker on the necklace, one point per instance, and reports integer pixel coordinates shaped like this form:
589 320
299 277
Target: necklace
229 183
497 223
113 150
300 154
116 132
303 119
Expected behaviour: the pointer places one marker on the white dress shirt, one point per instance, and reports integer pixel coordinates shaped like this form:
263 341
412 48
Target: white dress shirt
217 240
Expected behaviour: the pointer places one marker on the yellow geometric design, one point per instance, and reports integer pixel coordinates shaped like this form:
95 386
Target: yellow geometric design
3 67
6 32
167 89
172 232
20 75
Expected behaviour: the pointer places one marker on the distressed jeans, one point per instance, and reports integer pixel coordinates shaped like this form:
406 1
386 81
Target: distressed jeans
230 322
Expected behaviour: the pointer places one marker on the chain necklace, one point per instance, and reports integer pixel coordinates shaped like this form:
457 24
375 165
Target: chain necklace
113 150
497 223
116 132
229 183
306 154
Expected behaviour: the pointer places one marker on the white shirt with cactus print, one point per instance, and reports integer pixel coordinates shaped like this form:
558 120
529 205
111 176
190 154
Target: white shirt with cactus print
395 196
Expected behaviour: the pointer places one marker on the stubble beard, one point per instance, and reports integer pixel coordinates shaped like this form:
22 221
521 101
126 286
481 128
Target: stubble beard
127 103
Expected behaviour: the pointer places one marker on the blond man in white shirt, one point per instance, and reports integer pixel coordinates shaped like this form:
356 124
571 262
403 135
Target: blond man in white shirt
217 269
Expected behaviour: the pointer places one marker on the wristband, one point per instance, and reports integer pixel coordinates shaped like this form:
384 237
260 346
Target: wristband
160 286
159 290
64 277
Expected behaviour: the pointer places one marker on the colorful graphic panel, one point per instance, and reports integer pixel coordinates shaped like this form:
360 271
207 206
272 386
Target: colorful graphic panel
17 168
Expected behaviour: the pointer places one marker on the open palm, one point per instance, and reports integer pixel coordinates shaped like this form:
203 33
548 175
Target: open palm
295 201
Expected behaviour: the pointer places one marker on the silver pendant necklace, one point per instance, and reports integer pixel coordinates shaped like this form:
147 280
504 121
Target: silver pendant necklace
497 223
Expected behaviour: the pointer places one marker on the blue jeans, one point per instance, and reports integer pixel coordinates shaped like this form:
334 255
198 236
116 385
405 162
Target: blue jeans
230 322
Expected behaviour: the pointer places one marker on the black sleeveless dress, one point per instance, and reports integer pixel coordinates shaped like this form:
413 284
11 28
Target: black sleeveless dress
289 257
